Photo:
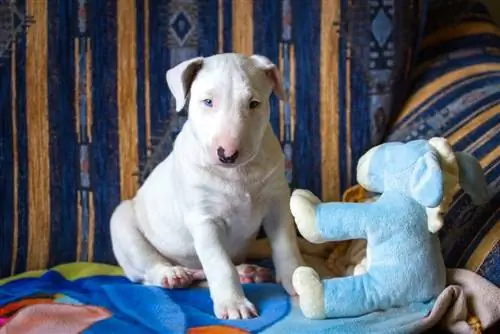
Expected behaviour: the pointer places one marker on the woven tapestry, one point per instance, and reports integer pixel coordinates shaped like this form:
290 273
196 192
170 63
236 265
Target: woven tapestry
86 112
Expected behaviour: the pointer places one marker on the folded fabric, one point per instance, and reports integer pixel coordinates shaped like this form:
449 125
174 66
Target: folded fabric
469 303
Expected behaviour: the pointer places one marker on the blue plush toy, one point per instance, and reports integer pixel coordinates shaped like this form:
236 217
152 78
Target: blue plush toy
416 181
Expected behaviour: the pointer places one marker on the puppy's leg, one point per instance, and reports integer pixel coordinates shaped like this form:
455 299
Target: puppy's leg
138 258
279 228
223 279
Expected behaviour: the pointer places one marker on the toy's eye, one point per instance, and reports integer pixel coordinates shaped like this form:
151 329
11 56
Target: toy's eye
254 104
208 103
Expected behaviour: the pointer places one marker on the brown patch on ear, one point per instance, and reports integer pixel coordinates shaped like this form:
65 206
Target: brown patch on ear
180 77
191 74
272 73
275 76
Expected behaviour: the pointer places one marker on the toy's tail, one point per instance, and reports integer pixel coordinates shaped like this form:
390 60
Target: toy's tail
459 169
472 179
449 166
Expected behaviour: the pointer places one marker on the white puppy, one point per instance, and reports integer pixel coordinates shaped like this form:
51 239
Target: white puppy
204 204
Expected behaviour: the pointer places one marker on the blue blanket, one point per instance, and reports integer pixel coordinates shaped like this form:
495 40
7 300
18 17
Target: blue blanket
133 308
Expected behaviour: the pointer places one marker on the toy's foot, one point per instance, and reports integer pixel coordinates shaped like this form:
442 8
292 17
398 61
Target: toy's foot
310 290
250 273
303 206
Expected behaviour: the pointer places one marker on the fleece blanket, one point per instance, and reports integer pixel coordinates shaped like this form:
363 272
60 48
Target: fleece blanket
96 298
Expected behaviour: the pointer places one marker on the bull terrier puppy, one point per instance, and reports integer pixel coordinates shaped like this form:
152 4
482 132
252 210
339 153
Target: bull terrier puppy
200 208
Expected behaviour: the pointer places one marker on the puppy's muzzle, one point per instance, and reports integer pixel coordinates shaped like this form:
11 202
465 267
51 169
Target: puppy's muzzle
227 157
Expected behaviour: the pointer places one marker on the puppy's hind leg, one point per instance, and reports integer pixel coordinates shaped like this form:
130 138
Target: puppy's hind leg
251 273
140 261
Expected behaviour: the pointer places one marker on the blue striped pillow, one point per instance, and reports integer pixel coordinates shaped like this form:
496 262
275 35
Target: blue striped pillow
456 94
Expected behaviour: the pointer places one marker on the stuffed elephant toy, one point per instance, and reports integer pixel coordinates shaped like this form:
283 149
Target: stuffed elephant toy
404 265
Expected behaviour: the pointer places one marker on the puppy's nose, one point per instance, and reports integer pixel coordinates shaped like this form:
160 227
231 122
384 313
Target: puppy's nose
227 156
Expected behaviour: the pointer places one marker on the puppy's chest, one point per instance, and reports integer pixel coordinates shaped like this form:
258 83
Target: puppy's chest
242 210
242 205
242 214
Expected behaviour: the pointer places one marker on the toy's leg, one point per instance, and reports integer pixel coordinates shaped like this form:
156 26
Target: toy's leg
337 297
352 296
309 287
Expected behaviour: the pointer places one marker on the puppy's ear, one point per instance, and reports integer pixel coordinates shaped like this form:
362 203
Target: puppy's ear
180 78
272 73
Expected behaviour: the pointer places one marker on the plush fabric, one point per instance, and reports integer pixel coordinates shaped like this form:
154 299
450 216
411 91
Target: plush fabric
456 94
84 101
404 262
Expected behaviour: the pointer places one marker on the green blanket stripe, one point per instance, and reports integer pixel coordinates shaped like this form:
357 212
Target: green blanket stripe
72 271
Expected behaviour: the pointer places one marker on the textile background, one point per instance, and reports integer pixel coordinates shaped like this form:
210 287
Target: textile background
86 112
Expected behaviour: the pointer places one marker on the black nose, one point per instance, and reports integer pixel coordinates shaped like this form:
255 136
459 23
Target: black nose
224 159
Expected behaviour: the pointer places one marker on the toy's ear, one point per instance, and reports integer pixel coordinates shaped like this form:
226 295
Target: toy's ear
472 178
426 181
180 78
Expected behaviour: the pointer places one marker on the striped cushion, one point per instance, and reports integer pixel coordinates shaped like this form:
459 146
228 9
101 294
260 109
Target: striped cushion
84 102
443 13
457 95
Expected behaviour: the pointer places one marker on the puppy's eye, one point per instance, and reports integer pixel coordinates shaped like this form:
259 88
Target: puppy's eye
254 104
208 103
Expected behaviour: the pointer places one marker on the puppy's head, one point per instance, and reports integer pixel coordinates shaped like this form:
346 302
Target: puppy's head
228 103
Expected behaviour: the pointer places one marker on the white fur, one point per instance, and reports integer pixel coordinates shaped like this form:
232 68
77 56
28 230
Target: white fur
193 211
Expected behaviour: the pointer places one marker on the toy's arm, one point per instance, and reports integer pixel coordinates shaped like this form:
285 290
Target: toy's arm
320 222
343 221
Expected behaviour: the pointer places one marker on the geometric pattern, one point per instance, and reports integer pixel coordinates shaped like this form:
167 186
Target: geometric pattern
94 147
85 193
381 27
285 46
381 62
182 24
12 22
183 44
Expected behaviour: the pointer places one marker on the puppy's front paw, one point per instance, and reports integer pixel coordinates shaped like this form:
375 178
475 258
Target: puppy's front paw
310 290
303 207
235 308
